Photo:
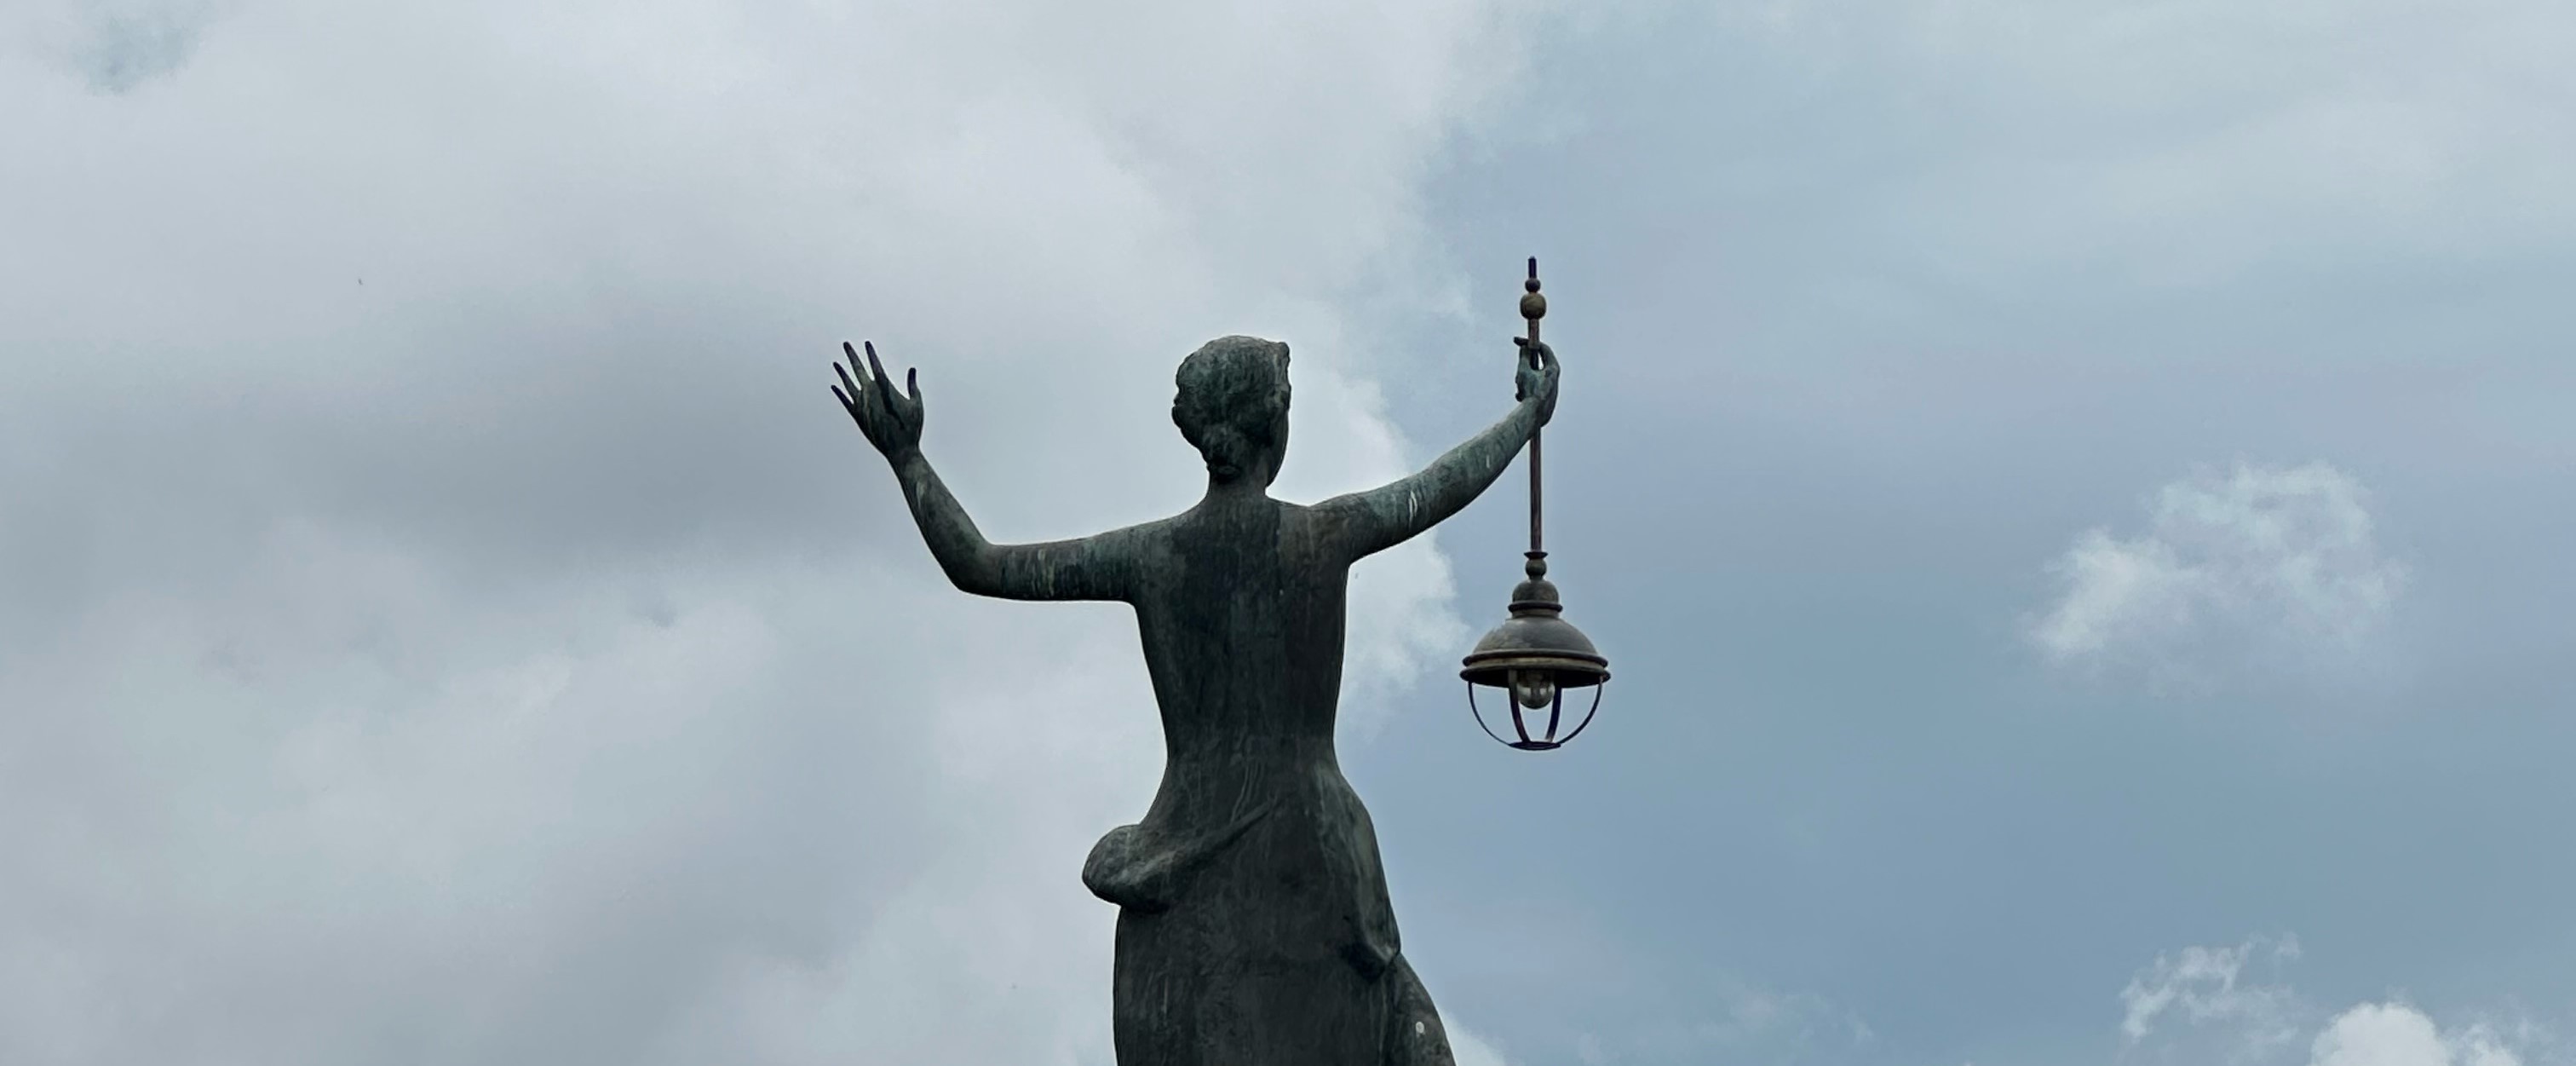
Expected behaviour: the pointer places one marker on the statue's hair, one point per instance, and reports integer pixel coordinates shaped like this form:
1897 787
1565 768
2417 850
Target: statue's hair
1232 400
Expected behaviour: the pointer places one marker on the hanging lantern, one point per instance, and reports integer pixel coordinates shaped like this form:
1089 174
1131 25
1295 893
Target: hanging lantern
1535 657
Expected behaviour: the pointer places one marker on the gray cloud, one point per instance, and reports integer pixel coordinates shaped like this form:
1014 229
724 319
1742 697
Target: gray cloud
113 46
469 663
445 615
1874 310
1741 1020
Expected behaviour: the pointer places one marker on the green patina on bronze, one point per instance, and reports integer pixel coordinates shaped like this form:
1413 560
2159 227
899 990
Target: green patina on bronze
1253 923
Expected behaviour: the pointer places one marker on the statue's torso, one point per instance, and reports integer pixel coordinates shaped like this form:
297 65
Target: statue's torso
1241 614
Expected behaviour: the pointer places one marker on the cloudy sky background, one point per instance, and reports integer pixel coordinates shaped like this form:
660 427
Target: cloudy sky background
2075 496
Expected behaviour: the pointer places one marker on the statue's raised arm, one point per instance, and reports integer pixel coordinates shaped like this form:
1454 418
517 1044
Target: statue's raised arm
1364 523
1091 568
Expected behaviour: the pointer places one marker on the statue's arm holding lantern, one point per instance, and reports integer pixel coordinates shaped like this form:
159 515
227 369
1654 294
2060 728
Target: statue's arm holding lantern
1090 568
1366 523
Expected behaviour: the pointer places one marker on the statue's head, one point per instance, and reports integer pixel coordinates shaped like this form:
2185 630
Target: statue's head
1233 406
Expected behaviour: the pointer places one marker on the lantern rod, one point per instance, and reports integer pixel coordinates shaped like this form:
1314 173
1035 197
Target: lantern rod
1533 307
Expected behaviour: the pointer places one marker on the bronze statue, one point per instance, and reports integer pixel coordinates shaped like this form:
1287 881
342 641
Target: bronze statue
1253 925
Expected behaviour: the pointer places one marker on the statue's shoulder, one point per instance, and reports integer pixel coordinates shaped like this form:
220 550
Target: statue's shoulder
1327 520
1305 521
1145 544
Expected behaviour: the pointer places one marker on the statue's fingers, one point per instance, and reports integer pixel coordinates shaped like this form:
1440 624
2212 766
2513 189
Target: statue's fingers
844 397
853 395
876 369
908 402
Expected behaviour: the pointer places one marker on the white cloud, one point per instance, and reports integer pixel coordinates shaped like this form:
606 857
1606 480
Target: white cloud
514 656
2224 1017
2283 558
2395 1034
1472 1050
2204 984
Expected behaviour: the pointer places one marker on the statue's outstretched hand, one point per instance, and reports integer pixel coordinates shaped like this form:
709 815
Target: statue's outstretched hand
891 420
1537 377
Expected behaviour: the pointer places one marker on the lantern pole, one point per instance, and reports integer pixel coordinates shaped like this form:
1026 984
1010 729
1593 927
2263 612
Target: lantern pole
1533 308
1535 650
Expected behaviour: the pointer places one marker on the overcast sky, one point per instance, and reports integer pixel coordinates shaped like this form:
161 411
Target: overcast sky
2075 496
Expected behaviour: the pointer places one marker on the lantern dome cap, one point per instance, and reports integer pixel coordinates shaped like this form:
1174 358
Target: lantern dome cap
1536 637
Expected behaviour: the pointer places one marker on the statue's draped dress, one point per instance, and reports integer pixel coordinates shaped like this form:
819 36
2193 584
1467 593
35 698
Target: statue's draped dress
1254 927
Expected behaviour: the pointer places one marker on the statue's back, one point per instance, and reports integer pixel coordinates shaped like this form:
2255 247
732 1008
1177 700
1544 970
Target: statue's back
1241 609
1255 926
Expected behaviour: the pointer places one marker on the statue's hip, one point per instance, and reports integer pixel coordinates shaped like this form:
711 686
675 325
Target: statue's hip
1294 877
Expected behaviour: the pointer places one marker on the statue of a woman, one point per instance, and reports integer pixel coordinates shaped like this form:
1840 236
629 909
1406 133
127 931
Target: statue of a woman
1253 928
